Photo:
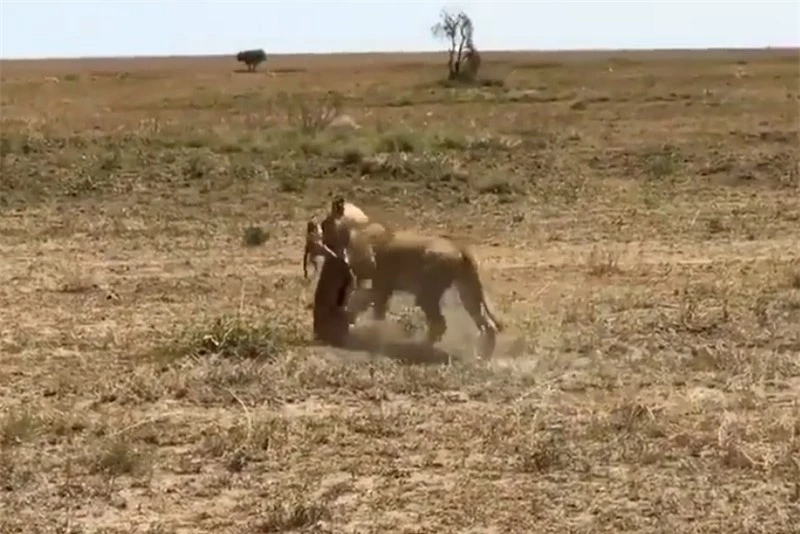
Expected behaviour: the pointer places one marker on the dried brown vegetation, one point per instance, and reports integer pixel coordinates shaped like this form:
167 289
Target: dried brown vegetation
636 218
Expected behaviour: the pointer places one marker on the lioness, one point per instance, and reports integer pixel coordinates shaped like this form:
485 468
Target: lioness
425 266
347 213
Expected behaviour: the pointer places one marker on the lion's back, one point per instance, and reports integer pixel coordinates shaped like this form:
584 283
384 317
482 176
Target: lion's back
415 245
409 259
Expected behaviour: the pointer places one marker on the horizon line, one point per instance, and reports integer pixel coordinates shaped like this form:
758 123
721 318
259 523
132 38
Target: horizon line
778 48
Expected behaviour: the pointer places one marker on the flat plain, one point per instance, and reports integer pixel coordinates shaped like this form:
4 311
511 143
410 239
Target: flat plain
636 216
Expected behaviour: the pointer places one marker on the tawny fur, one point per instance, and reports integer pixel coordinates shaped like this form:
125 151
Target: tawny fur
425 266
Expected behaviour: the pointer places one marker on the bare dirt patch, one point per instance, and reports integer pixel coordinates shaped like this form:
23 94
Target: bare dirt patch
635 217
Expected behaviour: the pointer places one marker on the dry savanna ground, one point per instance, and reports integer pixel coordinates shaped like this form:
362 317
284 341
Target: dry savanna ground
636 217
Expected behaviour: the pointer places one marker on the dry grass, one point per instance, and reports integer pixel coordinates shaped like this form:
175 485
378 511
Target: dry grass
636 218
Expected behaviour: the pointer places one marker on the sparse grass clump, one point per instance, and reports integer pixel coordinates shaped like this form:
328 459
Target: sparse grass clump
663 164
484 142
17 426
451 142
247 172
602 263
77 282
500 186
542 454
292 183
310 113
117 457
403 142
200 165
232 337
352 156
283 515
254 236
251 440
429 169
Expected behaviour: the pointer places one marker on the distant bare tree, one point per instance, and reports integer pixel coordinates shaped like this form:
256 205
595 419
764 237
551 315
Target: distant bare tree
464 59
251 58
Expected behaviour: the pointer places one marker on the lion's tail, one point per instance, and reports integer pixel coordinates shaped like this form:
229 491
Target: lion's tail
469 284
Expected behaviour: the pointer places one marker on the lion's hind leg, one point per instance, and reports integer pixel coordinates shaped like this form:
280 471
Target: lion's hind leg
488 330
472 301
437 324
488 341
430 300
